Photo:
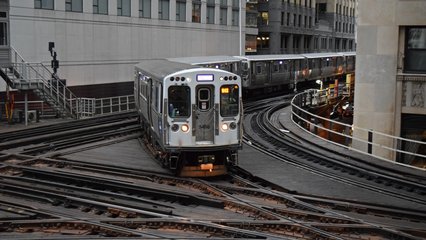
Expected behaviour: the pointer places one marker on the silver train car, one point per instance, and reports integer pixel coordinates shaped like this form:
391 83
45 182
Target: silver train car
191 116
270 73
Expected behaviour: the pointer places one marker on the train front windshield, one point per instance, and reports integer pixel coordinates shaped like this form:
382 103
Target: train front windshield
179 101
229 100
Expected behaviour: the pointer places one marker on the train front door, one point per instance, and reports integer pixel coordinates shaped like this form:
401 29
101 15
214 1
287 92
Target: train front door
204 115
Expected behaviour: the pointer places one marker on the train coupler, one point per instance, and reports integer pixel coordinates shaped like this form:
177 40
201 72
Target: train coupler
173 162
233 159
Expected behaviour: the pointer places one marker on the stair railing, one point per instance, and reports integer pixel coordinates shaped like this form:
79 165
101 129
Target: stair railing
38 76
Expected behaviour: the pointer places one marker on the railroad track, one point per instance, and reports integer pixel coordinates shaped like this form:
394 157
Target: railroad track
266 134
43 194
81 198
53 138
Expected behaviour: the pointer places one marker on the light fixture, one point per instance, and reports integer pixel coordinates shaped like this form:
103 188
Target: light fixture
185 128
224 127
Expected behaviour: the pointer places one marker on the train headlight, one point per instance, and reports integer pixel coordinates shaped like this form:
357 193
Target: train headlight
232 125
175 127
185 128
224 127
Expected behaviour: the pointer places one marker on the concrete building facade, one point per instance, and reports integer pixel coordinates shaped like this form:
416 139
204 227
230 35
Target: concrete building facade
301 26
99 41
391 76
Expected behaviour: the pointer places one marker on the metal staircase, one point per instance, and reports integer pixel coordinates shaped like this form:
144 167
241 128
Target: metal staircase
47 86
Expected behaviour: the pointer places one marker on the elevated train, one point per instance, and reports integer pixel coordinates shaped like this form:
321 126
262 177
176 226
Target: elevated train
191 108
269 73
191 116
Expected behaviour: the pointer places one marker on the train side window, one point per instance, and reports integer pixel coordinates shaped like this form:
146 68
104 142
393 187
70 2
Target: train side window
297 65
327 62
259 68
276 67
245 66
179 101
155 97
286 68
160 98
229 100
312 64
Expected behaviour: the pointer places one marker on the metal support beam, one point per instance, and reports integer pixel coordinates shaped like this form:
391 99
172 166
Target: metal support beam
26 108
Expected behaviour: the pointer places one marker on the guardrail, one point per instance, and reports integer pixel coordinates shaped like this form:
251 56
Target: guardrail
341 134
36 76
87 107
99 106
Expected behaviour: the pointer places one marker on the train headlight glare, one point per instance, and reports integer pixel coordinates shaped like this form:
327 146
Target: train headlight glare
175 127
233 125
224 127
185 128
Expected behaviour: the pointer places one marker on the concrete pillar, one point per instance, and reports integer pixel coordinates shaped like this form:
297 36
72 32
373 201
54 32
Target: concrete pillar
290 44
301 44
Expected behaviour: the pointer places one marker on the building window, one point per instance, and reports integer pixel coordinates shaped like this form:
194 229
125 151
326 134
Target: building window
44 4
181 10
3 34
74 5
145 8
123 8
210 11
294 20
251 19
296 40
235 16
163 9
223 16
415 50
283 42
337 44
100 6
250 43
263 41
196 12
288 19
263 18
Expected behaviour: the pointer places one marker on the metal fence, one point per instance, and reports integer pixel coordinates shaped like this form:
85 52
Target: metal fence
86 107
366 141
99 106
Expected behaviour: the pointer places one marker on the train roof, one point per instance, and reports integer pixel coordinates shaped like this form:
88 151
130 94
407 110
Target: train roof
161 68
205 59
322 55
348 53
271 57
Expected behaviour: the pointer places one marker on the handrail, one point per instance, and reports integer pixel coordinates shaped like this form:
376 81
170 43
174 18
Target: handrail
51 86
304 120
37 76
